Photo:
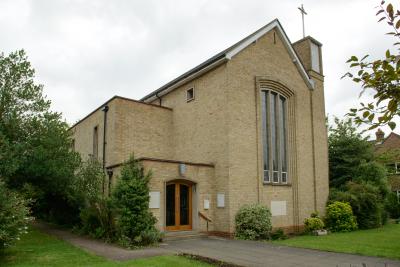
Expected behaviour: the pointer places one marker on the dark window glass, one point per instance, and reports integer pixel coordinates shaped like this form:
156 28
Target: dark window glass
264 107
184 204
170 209
95 142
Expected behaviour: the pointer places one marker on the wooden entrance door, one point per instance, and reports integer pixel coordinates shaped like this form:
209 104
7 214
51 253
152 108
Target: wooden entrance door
178 206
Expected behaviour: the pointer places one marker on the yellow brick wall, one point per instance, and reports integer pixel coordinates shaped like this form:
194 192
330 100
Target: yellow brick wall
221 126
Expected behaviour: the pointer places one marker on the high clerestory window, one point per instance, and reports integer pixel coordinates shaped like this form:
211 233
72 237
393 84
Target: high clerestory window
274 113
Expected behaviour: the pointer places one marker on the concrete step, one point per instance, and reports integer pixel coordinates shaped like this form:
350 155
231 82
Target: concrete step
179 235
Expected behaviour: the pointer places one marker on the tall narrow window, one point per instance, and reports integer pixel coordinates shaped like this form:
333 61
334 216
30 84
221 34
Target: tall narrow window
265 107
273 107
95 142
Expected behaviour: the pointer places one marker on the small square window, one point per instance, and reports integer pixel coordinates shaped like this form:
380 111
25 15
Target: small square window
190 94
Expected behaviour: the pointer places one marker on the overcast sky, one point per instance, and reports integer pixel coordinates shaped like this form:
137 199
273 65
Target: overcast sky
87 51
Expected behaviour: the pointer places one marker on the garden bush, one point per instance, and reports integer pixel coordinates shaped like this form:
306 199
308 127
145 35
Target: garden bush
339 217
393 205
96 214
134 222
366 202
313 223
14 216
278 234
253 222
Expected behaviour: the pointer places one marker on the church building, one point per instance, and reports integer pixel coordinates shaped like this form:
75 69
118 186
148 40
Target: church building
245 126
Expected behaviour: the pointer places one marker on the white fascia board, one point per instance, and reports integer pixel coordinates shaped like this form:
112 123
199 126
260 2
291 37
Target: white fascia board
253 38
187 79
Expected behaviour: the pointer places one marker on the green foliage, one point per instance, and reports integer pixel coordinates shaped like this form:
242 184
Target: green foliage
96 214
37 249
34 142
393 205
339 217
347 151
134 221
313 223
253 222
278 234
365 203
382 76
13 216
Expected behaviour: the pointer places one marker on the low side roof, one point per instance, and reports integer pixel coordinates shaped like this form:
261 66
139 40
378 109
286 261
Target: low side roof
230 52
111 99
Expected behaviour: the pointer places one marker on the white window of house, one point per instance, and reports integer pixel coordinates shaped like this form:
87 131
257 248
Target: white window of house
315 64
273 106
393 168
190 94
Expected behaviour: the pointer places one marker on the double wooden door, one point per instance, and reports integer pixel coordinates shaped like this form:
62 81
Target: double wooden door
178 206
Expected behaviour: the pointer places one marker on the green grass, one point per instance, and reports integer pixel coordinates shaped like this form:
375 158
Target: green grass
39 249
381 242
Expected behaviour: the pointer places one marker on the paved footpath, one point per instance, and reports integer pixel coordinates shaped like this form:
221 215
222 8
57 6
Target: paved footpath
243 253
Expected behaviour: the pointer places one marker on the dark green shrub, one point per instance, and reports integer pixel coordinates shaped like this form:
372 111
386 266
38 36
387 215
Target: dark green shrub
96 213
278 234
253 222
393 206
340 218
313 223
14 216
366 202
134 221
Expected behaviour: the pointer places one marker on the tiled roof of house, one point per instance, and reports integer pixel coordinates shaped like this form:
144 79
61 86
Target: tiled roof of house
389 143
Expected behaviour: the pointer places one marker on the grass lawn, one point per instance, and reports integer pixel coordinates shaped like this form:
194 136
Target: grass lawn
39 249
381 242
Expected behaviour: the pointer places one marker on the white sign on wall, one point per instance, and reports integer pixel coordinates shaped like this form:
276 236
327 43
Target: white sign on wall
206 204
220 200
278 208
154 200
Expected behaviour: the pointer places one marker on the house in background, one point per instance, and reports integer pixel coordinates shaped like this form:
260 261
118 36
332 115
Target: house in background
246 126
389 150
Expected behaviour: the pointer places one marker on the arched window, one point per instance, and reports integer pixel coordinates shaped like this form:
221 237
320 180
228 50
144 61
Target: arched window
274 129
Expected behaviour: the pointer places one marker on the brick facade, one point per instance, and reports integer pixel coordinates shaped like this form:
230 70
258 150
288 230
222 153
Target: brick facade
218 135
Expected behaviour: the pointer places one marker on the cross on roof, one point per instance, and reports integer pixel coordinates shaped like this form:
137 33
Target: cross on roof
303 12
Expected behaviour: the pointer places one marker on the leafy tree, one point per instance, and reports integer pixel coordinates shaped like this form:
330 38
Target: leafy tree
347 151
34 142
355 175
382 76
135 223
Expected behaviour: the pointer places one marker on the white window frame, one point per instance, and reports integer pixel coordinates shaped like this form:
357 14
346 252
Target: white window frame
270 173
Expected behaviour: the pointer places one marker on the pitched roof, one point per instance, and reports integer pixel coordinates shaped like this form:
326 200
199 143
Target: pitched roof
227 55
389 143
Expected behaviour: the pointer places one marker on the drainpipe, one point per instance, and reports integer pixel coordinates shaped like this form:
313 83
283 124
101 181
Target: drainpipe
105 110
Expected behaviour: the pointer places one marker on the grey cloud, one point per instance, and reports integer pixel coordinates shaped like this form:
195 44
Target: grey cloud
85 52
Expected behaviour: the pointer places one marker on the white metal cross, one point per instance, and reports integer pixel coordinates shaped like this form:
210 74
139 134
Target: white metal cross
303 12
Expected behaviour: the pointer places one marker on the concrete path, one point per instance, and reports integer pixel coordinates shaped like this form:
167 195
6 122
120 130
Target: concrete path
100 248
244 253
250 253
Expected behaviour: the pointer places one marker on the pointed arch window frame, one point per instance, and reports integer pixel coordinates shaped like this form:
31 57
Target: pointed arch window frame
274 137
